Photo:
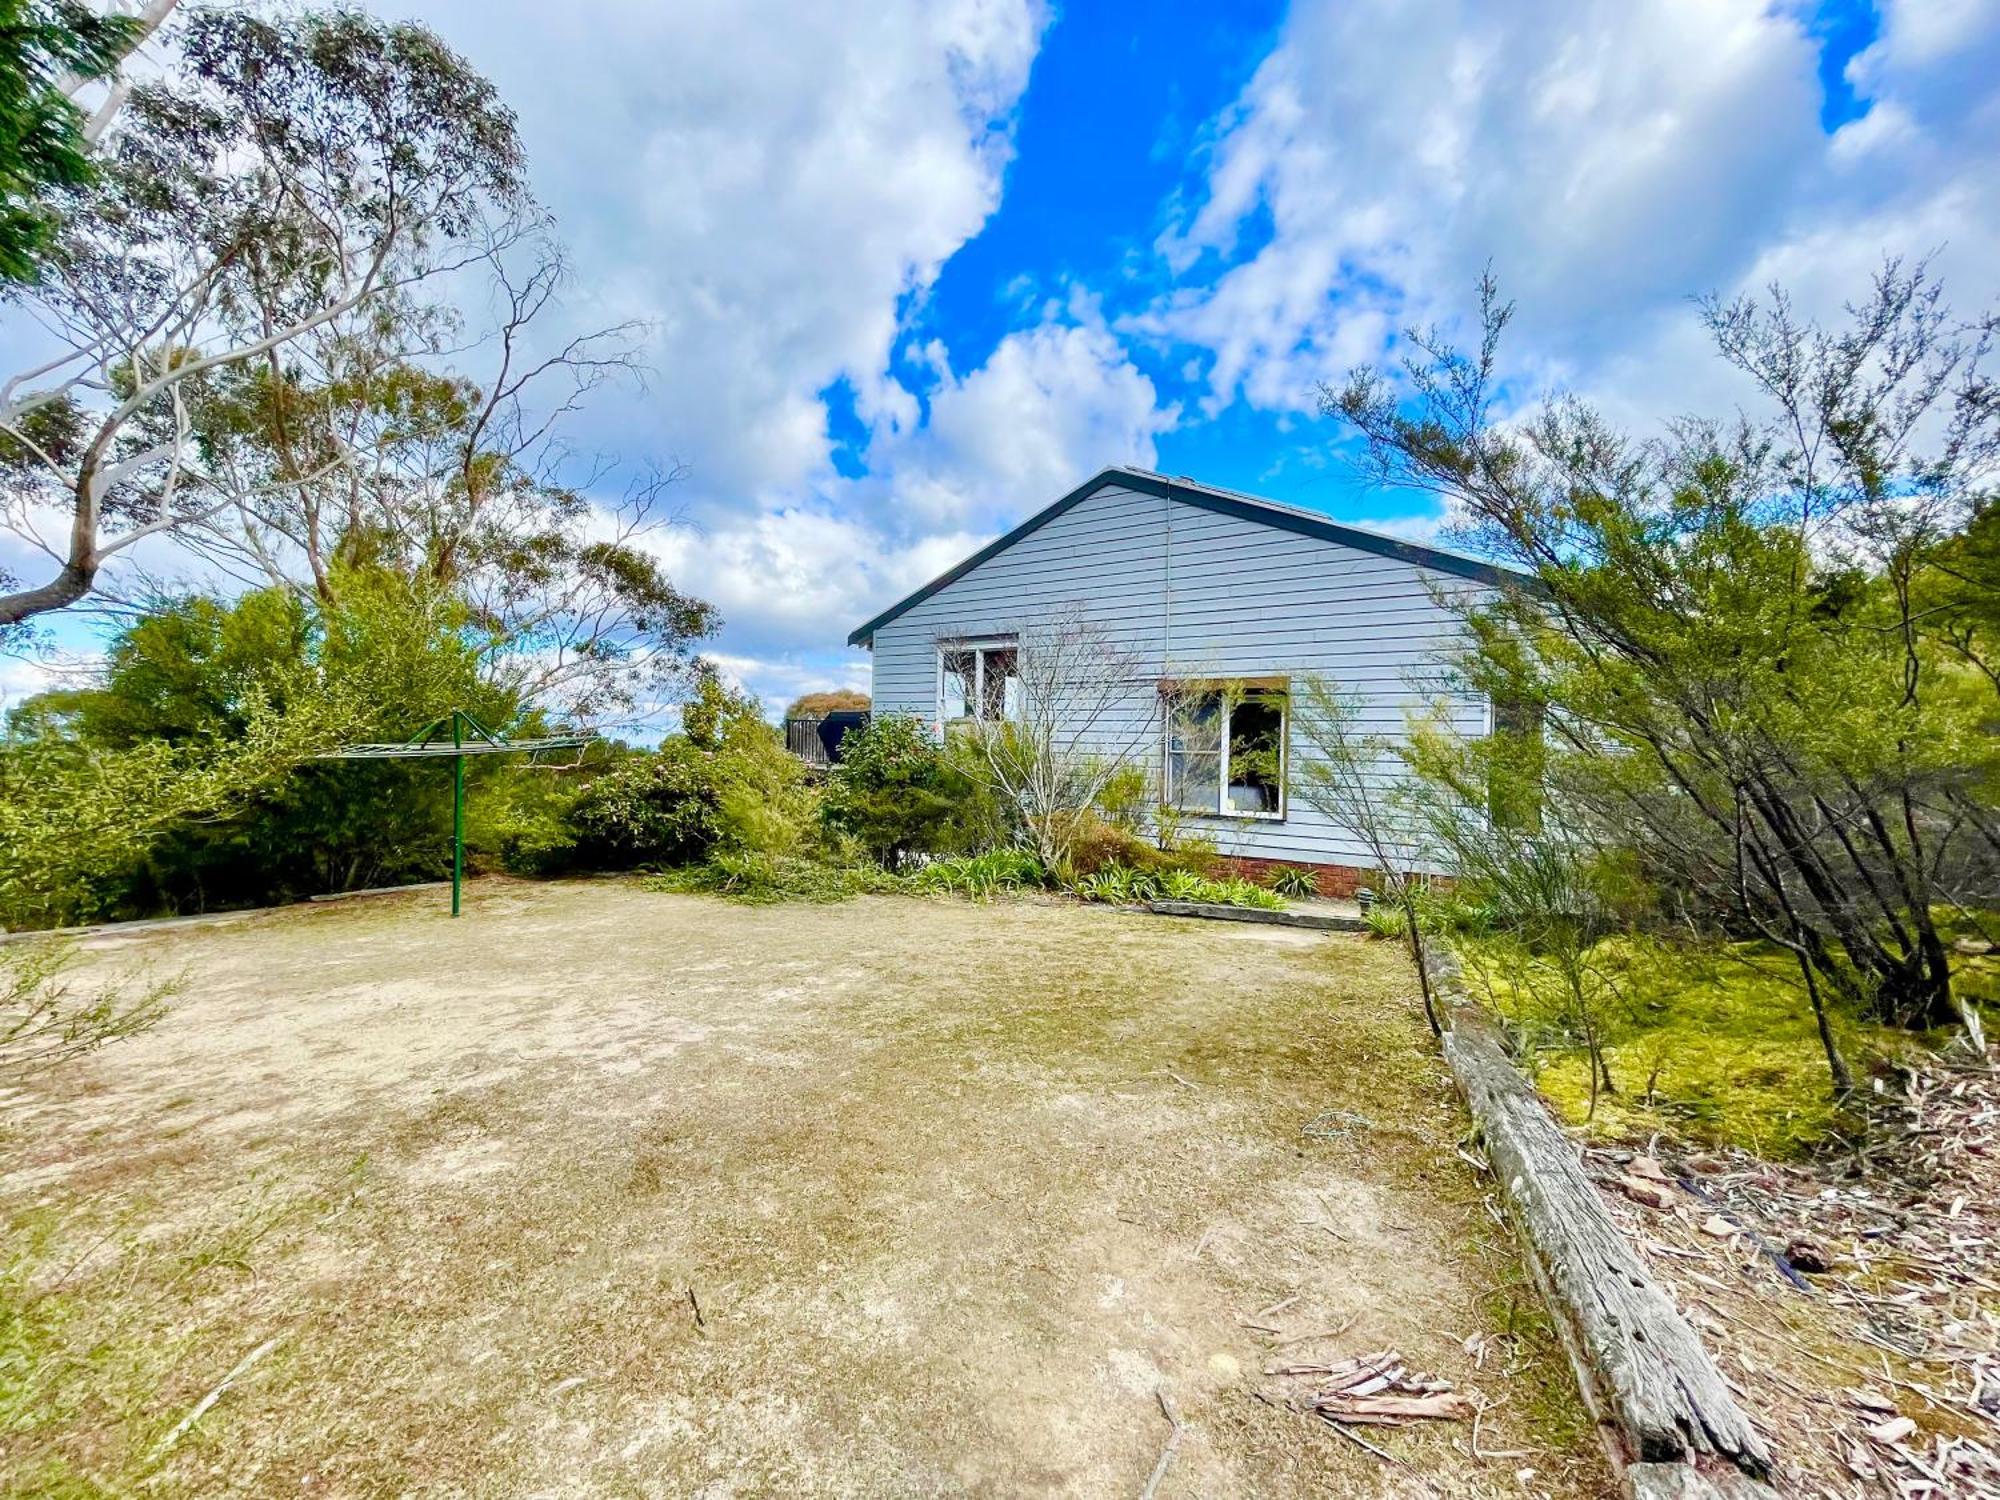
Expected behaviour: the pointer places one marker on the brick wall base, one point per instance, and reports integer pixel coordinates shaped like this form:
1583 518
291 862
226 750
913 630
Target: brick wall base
1339 882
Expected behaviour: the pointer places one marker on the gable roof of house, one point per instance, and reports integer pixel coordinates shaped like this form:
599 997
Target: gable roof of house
1222 502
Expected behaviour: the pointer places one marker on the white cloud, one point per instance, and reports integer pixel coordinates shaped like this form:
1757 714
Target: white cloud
1610 159
777 681
795 578
774 188
767 184
1052 404
21 677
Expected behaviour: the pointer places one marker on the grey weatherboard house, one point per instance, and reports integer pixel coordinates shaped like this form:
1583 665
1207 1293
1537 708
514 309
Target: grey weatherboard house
1216 602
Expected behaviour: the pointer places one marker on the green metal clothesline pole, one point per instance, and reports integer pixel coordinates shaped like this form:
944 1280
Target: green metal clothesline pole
468 737
457 809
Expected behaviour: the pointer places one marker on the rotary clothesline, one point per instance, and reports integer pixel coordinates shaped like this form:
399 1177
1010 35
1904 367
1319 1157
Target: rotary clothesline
458 735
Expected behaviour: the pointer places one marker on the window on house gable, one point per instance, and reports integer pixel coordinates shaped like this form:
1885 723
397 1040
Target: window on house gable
1226 751
979 680
1515 765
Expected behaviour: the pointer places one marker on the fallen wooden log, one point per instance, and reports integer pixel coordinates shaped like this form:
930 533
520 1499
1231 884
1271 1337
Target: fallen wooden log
1445 1406
1642 1370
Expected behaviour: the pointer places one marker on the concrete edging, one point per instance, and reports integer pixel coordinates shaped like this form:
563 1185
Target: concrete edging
209 918
1670 1424
1215 912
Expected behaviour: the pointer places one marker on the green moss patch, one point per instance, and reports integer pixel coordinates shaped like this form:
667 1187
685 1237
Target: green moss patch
1718 1046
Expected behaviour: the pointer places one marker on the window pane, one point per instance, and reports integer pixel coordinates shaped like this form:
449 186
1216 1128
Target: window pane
1195 781
1002 686
958 690
1514 773
1256 746
1194 754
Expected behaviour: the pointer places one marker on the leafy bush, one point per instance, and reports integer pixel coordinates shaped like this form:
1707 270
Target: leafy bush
725 780
1294 880
186 779
763 879
899 794
1120 884
1384 919
1125 885
521 820
1102 843
979 876
1239 892
1124 798
649 809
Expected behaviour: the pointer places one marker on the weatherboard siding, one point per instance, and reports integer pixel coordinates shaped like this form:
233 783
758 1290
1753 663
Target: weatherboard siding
1192 593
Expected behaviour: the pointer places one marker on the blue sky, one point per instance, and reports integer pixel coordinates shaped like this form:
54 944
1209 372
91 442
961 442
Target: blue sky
913 268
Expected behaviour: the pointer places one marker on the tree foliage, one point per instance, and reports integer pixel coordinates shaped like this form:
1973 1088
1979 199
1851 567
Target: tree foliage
294 173
1760 645
674 805
186 778
47 48
898 793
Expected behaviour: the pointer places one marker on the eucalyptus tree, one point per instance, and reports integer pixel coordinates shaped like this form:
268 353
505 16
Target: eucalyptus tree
289 173
1733 637
368 445
53 53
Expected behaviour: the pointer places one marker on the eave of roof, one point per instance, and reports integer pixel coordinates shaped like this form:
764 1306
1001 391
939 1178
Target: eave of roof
1222 502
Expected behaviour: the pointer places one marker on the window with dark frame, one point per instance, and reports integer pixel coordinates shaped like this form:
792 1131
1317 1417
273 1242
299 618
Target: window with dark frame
1514 771
1226 751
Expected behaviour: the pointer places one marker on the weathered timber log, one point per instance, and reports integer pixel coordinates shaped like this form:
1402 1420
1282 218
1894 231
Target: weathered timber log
1217 912
1642 1369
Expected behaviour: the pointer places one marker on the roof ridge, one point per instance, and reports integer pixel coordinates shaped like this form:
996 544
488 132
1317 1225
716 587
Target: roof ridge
1306 512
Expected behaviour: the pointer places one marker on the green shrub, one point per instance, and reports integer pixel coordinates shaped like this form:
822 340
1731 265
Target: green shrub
1120 884
979 876
1125 798
726 780
521 821
1294 880
1384 919
652 809
1125 885
1102 843
764 879
1239 892
1179 837
898 794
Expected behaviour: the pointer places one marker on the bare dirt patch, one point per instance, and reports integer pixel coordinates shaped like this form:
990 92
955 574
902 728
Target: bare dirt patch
599 1191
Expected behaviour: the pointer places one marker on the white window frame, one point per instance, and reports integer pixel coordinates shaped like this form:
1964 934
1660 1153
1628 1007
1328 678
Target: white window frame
1222 810
979 646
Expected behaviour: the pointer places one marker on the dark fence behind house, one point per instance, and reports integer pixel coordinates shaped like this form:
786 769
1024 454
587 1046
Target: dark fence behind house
817 741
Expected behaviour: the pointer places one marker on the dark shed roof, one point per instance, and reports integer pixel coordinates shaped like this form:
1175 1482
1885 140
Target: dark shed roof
1222 502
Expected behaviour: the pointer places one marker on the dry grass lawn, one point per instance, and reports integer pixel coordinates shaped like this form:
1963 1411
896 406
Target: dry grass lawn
598 1191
